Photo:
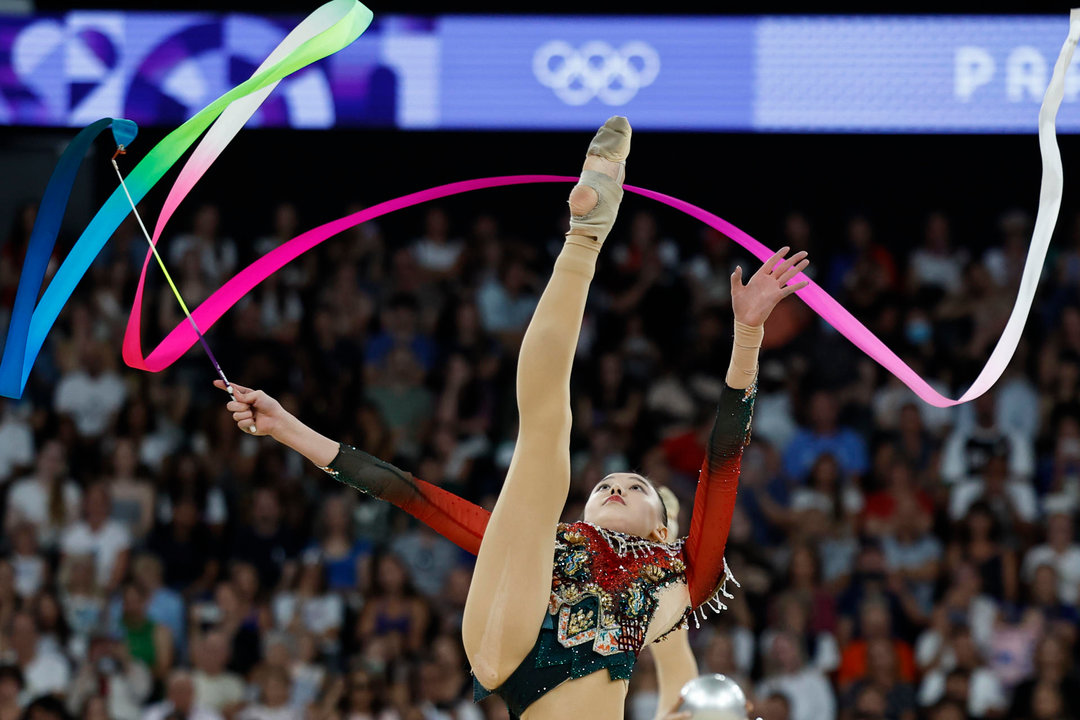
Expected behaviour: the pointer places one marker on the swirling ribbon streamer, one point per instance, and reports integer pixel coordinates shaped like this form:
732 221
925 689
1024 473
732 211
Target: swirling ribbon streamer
16 362
183 336
327 30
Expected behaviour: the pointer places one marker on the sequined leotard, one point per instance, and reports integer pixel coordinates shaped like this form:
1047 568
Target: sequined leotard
605 584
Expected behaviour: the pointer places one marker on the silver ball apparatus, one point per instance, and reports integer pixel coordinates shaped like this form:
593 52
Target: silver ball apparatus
713 697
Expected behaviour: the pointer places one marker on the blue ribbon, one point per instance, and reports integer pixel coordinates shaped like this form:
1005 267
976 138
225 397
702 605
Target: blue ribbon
14 369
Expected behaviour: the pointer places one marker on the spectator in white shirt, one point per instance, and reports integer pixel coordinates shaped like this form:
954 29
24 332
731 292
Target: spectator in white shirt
985 694
935 265
180 701
110 672
44 672
310 607
16 441
48 499
216 688
107 540
274 696
436 252
31 571
1062 553
91 394
807 687
972 445
1012 502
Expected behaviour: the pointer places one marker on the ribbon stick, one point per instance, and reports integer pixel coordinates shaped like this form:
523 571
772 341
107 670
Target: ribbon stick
168 277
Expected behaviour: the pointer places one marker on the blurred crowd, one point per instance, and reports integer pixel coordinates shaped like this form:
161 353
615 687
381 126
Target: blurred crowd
897 561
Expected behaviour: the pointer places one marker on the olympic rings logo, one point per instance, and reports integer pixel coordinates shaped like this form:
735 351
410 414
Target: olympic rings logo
596 70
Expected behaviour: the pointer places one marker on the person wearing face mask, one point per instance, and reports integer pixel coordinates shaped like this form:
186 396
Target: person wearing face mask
557 613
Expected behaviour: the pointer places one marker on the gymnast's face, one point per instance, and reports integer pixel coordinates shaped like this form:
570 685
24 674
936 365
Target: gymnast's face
626 503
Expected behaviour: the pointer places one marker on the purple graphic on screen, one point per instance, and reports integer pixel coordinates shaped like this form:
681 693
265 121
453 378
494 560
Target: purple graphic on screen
20 104
148 99
100 45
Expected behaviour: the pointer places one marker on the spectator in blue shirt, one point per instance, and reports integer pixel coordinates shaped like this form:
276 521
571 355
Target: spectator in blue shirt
825 435
342 554
400 328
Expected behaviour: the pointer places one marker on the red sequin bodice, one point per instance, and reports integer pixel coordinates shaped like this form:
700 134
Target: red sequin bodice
623 573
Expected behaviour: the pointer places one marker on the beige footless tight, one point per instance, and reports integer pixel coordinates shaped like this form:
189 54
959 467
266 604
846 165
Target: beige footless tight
512 580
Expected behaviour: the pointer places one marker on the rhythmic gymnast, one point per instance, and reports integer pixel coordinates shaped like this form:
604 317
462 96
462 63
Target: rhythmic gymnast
557 613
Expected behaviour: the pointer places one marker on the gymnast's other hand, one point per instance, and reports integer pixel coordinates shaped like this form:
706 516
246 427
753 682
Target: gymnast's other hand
255 412
753 302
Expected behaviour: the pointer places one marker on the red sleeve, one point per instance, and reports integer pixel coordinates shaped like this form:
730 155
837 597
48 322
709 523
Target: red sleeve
457 520
714 501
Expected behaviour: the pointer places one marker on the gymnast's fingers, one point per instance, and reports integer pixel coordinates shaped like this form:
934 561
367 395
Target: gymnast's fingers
239 416
783 267
789 289
237 406
793 271
247 426
777 256
250 397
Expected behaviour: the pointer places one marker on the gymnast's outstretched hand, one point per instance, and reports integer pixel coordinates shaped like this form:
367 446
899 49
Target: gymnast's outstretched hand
256 413
753 301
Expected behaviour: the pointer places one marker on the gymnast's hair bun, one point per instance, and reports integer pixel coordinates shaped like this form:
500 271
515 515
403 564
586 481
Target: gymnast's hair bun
671 504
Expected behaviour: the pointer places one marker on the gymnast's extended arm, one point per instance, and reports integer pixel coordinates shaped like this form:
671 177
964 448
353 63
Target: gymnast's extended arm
714 500
458 520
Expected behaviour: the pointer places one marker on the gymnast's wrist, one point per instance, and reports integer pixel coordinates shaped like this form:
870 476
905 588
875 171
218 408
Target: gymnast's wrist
744 355
749 336
287 430
317 448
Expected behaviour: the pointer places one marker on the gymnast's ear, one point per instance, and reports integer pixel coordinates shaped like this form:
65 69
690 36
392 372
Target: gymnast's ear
671 507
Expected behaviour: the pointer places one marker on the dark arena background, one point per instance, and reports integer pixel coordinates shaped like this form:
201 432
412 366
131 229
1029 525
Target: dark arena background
897 561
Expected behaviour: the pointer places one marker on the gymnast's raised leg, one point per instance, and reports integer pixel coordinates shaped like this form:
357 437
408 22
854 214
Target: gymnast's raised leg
512 581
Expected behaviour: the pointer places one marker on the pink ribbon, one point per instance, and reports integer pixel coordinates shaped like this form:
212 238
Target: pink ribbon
177 342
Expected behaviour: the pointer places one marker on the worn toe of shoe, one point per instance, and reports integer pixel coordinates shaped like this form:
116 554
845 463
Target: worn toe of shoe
612 141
